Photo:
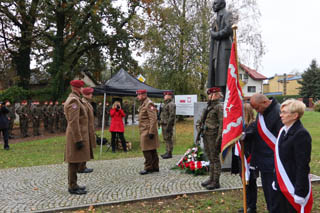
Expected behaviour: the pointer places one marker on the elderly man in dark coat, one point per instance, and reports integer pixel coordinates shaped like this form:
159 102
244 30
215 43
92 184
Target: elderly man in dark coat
4 124
77 134
148 129
220 46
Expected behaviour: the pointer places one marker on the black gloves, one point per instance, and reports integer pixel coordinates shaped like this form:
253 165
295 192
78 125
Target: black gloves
79 145
151 136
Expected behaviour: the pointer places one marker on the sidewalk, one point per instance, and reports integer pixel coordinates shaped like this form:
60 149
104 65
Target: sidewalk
44 188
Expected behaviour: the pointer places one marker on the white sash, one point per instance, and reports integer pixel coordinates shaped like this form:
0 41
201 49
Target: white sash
265 134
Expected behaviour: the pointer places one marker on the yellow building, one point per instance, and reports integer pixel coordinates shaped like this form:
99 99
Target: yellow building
282 85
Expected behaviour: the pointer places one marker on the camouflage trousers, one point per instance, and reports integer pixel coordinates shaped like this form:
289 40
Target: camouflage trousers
167 133
24 127
11 124
212 150
36 126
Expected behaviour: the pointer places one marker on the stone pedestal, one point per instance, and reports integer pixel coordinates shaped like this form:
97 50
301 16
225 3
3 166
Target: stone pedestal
198 108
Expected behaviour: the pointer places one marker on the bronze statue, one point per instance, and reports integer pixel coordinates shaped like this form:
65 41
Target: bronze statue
220 46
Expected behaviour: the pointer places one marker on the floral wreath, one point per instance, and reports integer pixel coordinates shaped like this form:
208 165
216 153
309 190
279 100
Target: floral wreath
193 162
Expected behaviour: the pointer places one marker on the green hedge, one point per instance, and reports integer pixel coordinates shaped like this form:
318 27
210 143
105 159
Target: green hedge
282 98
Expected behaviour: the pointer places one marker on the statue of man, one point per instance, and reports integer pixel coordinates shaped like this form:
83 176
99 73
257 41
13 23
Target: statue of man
220 46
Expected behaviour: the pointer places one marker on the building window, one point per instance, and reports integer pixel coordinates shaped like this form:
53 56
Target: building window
251 88
240 76
245 77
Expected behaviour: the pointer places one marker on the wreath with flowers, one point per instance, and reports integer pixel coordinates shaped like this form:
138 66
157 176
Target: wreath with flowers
193 162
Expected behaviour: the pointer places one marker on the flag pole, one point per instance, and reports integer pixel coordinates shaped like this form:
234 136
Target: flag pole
234 28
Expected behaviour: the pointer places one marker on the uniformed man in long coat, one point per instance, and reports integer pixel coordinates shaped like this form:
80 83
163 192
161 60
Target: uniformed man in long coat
77 149
220 46
148 129
36 115
23 111
87 97
167 121
212 118
11 117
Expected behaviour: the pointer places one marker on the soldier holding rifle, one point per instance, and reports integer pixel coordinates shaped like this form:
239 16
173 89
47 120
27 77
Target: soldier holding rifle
210 127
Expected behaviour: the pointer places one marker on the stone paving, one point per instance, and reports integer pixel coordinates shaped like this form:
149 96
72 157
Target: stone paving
44 188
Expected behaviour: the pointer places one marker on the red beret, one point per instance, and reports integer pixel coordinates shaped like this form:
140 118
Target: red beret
213 90
141 91
168 93
87 91
77 83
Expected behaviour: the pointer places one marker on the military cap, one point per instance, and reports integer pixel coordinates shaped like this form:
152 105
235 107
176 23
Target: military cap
213 90
77 83
87 90
141 91
168 93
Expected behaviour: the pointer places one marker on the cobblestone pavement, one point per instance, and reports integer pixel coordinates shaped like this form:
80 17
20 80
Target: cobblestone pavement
44 188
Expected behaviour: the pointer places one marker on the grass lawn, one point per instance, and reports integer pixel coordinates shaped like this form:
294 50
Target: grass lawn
51 150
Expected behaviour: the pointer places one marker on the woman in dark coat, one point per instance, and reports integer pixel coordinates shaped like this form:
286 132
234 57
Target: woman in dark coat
4 125
292 157
117 126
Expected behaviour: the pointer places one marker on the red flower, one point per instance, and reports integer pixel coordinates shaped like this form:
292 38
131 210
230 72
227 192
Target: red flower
187 164
199 164
192 165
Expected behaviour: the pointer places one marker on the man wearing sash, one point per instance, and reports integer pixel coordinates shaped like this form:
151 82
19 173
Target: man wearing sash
292 157
268 124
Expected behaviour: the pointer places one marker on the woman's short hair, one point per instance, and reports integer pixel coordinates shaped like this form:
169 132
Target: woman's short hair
114 105
294 106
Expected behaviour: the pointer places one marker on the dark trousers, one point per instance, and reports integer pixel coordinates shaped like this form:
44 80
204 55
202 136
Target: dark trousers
151 160
5 135
82 166
122 139
281 204
269 193
72 175
252 191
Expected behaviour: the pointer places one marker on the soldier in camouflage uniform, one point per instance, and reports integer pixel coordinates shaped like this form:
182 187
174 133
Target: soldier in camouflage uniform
63 120
36 115
167 121
126 111
99 114
11 117
56 116
45 116
23 111
212 118
51 116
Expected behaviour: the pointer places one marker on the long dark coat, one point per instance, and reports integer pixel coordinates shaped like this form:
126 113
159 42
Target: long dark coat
148 125
220 49
77 130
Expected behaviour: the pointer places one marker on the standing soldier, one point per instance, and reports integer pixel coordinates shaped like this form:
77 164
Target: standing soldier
56 116
45 115
87 97
211 125
63 120
23 112
51 116
35 117
99 114
149 141
167 121
126 111
77 149
11 117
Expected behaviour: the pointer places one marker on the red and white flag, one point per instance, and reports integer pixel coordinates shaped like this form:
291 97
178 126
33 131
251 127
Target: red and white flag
233 108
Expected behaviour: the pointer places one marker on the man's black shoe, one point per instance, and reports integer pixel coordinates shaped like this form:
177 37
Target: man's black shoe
83 188
164 154
206 183
167 156
213 186
6 148
145 172
77 191
249 210
86 170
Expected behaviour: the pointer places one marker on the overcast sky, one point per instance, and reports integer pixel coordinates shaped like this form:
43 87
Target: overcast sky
291 32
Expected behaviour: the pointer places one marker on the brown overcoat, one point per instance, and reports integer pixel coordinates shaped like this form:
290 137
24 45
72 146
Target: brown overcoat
77 130
148 125
92 135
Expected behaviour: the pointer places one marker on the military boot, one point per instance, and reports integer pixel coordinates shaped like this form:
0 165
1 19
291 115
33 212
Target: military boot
206 183
168 155
164 154
213 186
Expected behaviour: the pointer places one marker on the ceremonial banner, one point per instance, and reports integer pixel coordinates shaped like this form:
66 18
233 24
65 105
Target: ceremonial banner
233 108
